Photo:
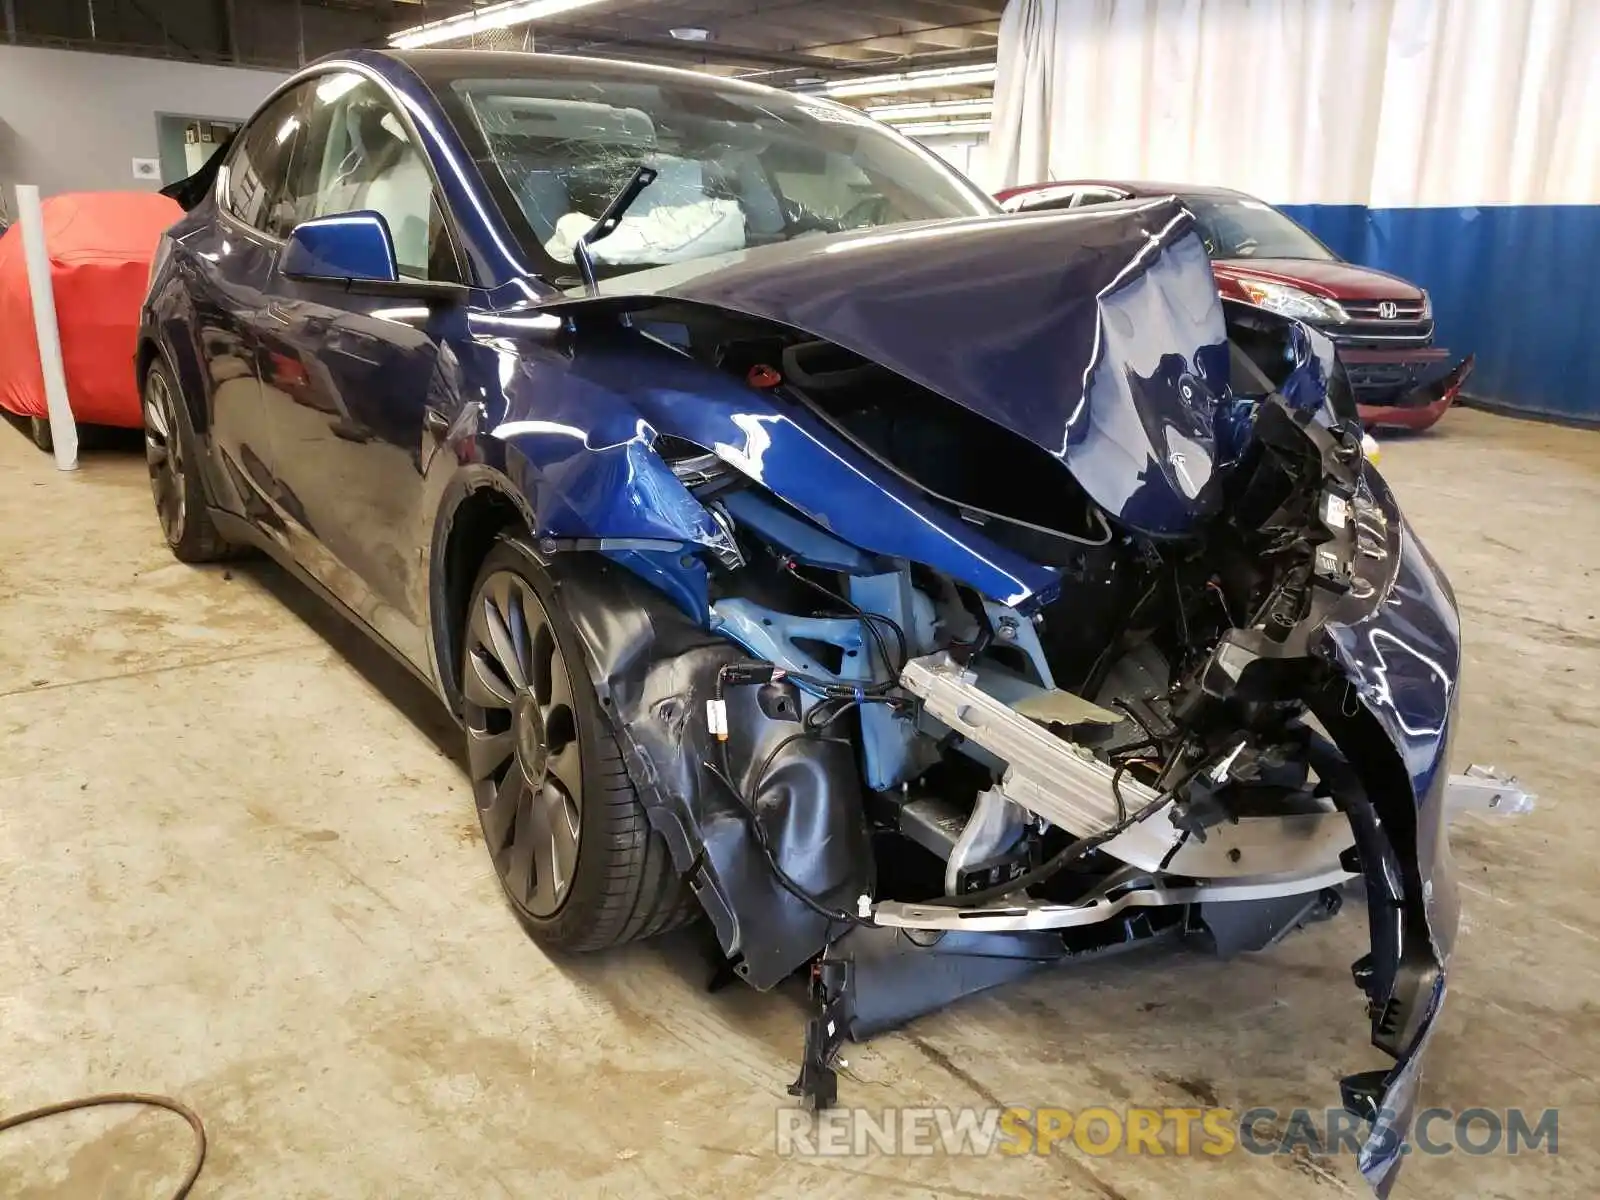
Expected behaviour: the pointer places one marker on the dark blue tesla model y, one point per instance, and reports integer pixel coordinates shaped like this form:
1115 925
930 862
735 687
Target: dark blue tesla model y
923 594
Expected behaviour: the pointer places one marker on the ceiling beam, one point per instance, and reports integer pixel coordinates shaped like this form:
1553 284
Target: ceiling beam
597 37
964 36
909 44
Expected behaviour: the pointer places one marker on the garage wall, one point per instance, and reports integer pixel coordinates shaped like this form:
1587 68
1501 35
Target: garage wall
1451 141
967 153
75 122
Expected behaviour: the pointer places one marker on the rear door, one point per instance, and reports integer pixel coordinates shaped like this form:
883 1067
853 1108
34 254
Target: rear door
346 377
229 263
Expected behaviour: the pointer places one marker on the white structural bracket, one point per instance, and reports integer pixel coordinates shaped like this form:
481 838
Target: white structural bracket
1485 790
63 430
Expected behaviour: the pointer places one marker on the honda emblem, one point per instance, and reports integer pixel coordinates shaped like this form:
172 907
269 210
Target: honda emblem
1388 310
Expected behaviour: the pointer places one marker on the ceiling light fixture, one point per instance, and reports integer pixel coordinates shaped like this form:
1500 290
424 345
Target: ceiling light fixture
937 109
924 128
913 81
481 20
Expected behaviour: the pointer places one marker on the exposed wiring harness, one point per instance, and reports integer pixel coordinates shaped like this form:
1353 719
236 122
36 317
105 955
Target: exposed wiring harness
141 1098
868 620
839 700
1068 854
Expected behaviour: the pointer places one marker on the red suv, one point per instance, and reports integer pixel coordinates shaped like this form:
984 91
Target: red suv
1382 325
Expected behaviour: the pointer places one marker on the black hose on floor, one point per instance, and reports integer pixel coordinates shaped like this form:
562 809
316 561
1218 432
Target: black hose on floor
149 1101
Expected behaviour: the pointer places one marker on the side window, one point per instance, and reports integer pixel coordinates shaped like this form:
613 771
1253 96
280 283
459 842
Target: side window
258 168
355 154
1049 202
1097 196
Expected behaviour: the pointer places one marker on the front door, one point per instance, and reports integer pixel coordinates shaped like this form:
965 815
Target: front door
346 378
231 261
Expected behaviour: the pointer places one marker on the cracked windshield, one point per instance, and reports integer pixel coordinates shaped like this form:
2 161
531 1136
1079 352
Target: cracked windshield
735 170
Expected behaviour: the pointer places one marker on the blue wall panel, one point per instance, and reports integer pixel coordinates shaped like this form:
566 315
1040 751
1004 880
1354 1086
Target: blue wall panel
1517 285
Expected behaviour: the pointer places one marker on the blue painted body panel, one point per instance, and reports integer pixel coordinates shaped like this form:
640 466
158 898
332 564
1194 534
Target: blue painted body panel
810 545
585 461
1097 335
355 245
1513 284
1403 660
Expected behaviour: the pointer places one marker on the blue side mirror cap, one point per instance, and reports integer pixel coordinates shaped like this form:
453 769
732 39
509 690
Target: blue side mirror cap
354 252
348 249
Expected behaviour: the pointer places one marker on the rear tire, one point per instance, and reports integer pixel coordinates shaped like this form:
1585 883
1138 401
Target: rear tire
569 839
169 452
39 430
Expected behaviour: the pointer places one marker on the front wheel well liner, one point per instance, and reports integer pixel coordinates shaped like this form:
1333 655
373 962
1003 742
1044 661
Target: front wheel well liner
147 353
468 532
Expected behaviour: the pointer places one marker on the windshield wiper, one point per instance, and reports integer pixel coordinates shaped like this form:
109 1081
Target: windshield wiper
641 178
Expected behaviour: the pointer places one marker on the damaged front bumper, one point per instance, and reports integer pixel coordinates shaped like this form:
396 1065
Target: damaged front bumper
1321 623
1421 406
1250 881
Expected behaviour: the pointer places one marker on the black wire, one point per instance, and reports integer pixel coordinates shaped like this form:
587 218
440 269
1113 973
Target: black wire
810 727
1063 858
1116 790
1183 612
841 706
1142 744
142 1098
789 884
866 618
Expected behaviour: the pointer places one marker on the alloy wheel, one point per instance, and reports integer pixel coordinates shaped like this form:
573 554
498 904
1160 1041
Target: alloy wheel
163 453
522 743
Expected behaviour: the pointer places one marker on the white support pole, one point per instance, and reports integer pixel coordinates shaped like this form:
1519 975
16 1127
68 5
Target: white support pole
63 431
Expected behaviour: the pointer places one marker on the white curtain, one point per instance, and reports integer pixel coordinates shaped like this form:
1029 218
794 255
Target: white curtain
1385 103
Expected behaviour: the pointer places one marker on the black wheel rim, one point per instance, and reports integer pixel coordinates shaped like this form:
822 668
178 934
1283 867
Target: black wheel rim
522 743
163 452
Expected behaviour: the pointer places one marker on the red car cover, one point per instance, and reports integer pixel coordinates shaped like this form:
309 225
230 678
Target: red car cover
100 244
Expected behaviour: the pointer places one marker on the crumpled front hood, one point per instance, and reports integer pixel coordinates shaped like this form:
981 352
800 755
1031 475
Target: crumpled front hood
1097 335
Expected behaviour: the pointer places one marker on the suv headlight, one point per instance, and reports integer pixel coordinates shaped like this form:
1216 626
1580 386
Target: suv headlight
1427 306
1291 301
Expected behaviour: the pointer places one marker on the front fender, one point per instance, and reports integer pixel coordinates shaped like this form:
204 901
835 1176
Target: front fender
1401 662
788 451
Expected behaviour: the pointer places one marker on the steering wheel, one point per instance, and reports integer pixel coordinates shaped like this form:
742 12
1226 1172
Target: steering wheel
864 212
798 219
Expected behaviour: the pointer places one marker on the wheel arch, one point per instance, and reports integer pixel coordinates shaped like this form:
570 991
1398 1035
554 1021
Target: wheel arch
142 358
478 506
183 360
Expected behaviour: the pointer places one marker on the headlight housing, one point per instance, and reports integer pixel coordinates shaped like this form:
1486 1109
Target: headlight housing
1291 301
1427 306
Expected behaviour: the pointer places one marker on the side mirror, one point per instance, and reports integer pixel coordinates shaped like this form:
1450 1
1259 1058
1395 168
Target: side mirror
354 252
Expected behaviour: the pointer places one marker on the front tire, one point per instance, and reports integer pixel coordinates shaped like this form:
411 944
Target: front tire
39 431
175 473
568 837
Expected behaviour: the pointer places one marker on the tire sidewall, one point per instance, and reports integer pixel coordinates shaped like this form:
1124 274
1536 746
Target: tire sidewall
189 480
589 875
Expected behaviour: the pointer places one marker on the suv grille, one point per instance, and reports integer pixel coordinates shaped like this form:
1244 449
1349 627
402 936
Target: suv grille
1369 325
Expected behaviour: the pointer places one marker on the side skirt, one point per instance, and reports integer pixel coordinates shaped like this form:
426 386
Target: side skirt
238 530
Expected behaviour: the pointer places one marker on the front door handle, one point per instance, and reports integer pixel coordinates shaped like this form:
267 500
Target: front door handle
436 423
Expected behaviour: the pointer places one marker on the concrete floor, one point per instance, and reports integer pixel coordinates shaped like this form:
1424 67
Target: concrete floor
239 863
